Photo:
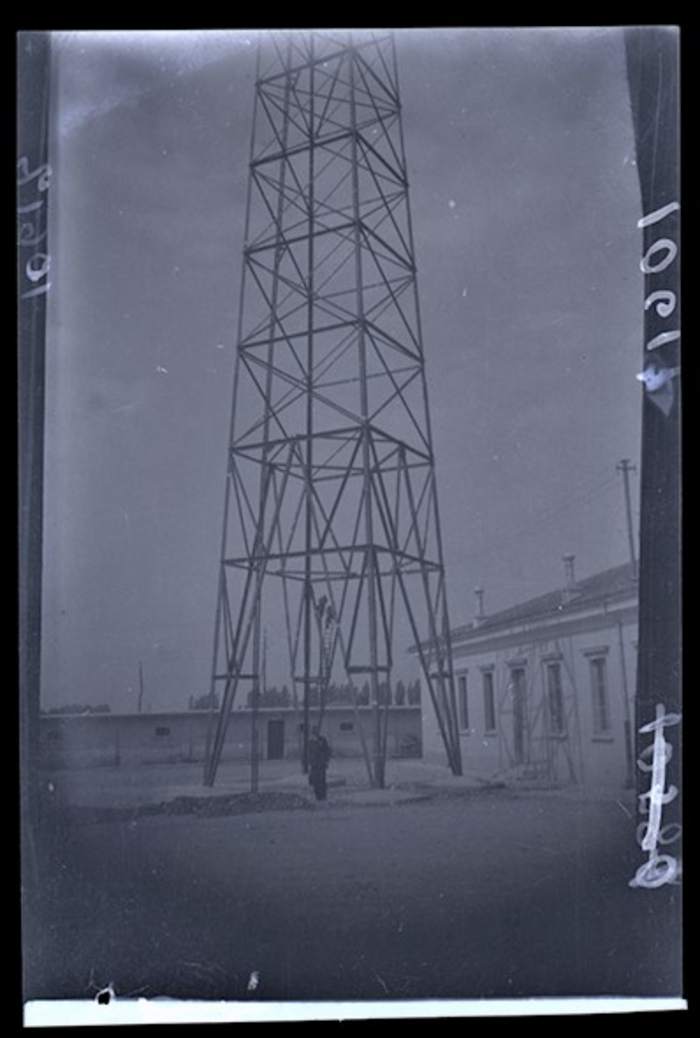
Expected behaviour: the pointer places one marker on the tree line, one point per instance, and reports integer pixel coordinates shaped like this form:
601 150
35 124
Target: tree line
79 708
401 694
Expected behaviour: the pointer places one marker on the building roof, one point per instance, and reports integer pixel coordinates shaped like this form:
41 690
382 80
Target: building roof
160 715
601 588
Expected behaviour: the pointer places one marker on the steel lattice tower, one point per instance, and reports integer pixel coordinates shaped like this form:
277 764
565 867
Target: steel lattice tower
331 522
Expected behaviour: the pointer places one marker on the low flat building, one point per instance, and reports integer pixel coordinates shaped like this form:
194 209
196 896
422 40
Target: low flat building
545 689
105 739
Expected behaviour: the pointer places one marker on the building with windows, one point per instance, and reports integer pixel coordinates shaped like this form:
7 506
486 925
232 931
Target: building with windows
545 689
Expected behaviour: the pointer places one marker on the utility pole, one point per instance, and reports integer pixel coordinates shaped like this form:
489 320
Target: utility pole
625 467
255 720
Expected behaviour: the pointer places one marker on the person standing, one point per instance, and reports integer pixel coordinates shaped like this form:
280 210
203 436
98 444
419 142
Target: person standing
319 756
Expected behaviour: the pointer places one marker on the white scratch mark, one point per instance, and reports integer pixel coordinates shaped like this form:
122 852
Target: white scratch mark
656 378
254 980
622 806
381 982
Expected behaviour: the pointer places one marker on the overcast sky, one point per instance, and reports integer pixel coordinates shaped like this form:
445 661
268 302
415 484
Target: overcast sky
525 201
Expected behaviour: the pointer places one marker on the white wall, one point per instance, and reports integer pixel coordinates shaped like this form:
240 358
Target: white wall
584 755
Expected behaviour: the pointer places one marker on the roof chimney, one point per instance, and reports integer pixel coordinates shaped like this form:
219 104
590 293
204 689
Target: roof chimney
479 592
569 570
570 579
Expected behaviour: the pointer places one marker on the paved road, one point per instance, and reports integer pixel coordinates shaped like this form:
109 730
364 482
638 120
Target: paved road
464 895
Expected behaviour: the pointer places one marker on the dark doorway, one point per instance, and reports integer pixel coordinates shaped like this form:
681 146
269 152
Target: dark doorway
517 678
275 740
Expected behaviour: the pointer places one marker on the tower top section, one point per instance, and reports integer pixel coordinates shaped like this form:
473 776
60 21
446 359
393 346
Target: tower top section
330 309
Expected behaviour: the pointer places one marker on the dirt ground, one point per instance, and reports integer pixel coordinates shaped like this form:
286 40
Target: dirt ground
449 893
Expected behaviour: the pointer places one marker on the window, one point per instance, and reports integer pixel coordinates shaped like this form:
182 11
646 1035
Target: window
555 699
162 731
346 726
489 702
463 702
599 691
